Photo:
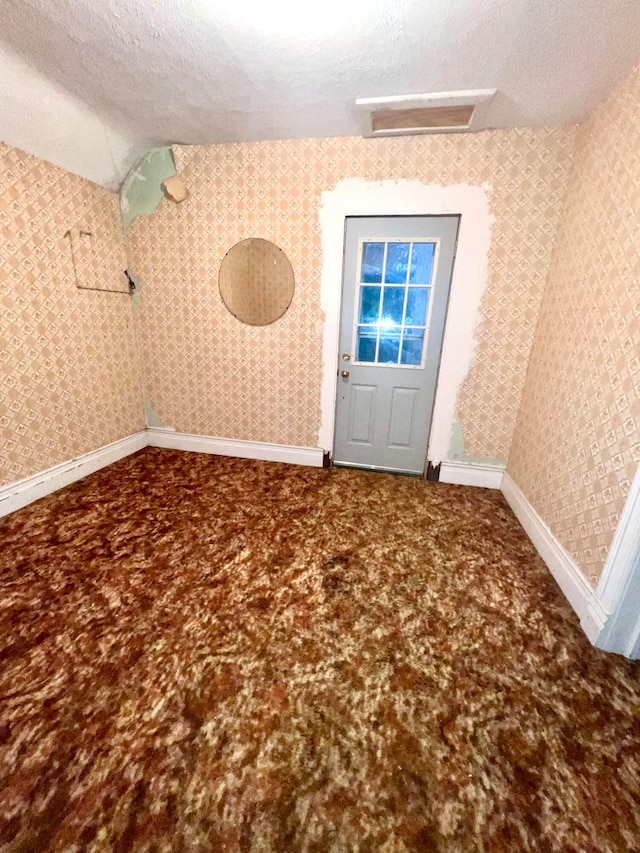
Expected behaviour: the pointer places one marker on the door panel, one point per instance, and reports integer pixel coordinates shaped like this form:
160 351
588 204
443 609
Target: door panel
397 273
362 413
402 407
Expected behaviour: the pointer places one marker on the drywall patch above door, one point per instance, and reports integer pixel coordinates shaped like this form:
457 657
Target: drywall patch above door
357 197
142 189
444 112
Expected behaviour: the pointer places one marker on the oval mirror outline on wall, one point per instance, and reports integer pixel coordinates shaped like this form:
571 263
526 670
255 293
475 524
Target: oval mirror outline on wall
256 281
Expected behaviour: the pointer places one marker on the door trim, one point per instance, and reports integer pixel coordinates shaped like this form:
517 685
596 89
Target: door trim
355 197
382 384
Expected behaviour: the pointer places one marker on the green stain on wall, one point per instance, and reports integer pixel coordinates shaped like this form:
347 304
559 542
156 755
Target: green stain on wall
153 418
456 442
142 192
456 448
140 195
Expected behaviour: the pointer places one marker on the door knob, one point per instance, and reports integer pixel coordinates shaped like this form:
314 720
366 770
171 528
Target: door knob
344 374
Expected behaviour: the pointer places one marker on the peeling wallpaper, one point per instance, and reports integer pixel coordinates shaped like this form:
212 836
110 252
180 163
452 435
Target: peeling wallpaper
207 373
70 381
577 443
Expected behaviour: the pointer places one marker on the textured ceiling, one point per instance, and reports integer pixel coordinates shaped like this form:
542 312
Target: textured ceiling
195 71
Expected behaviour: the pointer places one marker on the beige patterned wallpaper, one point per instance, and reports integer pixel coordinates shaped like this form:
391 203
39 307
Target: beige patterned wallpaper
208 373
98 256
69 380
577 443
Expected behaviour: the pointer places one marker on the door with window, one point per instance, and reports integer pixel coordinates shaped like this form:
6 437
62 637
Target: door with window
397 275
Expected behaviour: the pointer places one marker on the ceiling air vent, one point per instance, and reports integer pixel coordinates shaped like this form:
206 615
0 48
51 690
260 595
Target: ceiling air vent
445 112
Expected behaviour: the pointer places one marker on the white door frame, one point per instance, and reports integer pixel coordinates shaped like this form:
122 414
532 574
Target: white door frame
618 591
357 197
442 233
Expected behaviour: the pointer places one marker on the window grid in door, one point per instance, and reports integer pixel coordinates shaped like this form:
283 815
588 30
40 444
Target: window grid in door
393 301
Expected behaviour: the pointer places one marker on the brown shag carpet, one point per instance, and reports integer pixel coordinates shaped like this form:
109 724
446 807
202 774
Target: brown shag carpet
209 654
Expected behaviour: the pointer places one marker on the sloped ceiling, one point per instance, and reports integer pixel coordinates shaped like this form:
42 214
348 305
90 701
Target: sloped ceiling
202 71
42 118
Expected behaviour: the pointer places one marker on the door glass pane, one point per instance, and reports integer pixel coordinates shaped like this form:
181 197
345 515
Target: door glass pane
412 346
397 263
392 306
417 301
388 304
366 344
369 304
389 346
422 263
372 260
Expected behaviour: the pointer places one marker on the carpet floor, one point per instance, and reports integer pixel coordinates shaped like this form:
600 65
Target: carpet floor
210 654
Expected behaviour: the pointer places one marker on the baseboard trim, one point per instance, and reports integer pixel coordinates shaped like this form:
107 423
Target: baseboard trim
576 588
619 586
16 495
471 474
311 456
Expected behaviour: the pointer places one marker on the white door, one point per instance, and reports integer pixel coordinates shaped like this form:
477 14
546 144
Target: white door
397 274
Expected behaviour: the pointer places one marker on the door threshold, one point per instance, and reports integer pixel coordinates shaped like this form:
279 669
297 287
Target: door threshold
378 469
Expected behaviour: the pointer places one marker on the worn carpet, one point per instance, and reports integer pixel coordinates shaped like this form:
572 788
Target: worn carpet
209 654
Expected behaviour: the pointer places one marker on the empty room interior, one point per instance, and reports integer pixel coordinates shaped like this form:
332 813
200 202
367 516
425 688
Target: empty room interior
320 426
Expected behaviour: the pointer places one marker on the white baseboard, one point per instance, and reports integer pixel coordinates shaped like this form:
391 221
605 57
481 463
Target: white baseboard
16 495
576 588
619 585
229 447
471 474
593 606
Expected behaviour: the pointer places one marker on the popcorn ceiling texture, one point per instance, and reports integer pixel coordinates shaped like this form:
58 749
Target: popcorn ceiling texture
208 373
577 444
70 377
215 72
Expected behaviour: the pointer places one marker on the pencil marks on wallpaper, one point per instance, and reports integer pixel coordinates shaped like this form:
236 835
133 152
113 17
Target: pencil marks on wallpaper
208 373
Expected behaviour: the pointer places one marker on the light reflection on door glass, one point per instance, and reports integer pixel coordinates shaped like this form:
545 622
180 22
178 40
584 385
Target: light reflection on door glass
412 346
392 306
417 300
397 263
369 304
389 346
366 344
392 314
422 263
372 261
